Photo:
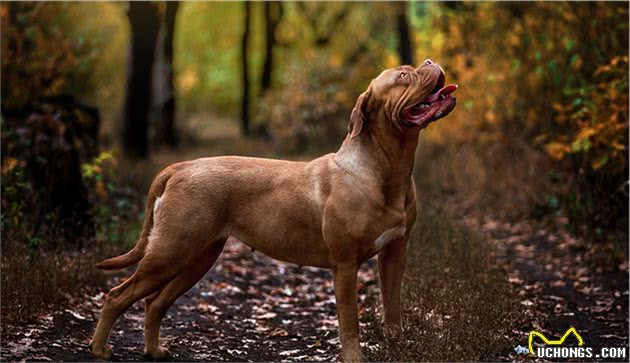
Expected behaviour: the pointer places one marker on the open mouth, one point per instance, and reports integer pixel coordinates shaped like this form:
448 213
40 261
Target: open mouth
437 105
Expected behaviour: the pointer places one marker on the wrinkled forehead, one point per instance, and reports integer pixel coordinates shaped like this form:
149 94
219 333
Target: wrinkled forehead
389 77
422 78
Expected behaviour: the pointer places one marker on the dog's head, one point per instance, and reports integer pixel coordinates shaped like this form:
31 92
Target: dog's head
405 97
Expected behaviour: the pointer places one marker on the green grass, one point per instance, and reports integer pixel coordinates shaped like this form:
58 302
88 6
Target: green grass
457 303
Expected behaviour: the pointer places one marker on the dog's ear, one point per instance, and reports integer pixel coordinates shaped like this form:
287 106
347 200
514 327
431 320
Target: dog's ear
359 114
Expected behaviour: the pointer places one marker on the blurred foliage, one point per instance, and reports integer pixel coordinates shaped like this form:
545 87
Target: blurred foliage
314 103
207 66
117 209
44 52
41 152
535 78
207 60
598 116
324 73
54 48
556 76
57 188
594 145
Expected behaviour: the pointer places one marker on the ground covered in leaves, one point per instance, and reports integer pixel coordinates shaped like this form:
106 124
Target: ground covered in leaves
460 304
563 281
252 308
249 307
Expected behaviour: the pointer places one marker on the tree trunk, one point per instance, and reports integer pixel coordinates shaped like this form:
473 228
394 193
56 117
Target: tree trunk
166 132
245 80
273 14
145 24
405 47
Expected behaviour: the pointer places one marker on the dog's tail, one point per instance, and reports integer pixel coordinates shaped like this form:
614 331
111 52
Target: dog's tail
137 252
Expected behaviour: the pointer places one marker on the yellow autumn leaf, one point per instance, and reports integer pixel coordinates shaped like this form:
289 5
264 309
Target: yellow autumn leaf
558 106
597 164
585 133
557 150
618 146
9 164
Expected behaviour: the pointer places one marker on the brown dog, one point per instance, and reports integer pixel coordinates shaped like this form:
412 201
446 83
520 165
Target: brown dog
336 211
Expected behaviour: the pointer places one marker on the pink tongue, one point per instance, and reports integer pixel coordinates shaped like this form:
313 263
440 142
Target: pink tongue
446 90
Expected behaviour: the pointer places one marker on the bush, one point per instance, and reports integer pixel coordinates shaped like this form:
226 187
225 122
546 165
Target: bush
44 195
39 270
40 56
550 76
117 209
593 146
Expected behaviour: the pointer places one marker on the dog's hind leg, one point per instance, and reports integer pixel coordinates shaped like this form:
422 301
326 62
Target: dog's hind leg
152 273
157 304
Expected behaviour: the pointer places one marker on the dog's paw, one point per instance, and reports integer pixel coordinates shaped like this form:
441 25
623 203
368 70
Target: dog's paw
104 352
160 353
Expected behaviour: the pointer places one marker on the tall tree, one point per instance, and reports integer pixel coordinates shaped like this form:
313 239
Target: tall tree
164 92
405 46
273 14
145 24
245 80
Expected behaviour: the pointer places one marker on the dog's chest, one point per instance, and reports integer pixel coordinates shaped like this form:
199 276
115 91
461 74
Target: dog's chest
380 231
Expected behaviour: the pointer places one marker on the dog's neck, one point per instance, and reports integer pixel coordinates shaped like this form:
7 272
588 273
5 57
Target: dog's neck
383 158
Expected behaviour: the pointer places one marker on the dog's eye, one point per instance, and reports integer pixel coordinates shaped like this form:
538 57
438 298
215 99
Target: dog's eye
402 76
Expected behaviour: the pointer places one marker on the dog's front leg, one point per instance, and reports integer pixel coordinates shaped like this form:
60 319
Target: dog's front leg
347 311
391 266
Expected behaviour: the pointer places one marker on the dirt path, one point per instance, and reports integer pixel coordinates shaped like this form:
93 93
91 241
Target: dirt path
248 308
559 283
252 308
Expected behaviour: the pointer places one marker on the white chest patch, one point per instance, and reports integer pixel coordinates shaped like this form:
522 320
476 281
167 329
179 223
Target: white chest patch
389 236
